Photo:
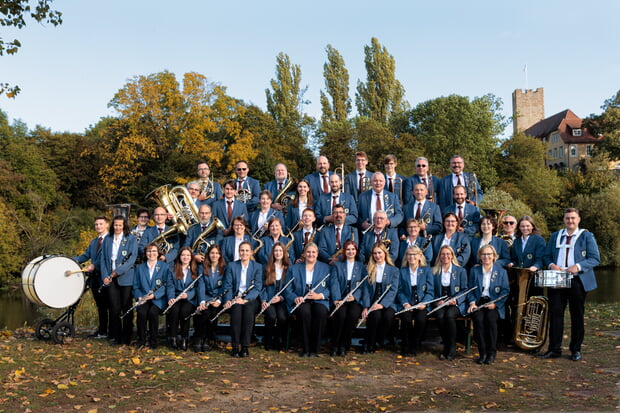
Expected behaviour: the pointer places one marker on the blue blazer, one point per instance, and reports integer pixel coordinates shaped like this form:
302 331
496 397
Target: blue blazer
532 255
220 210
586 255
262 255
460 243
471 218
125 259
327 241
410 182
391 205
430 213
424 286
298 287
269 291
142 283
253 222
91 252
195 230
316 184
351 183
391 275
232 278
254 187
293 216
445 188
420 242
228 246
398 188
323 207
210 285
272 186
217 194
152 232
175 287
458 284
297 248
500 246
497 287
338 284
369 240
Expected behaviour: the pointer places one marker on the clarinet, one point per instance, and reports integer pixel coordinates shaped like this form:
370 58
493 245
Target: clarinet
279 293
110 276
239 295
358 285
177 298
199 311
142 300
376 302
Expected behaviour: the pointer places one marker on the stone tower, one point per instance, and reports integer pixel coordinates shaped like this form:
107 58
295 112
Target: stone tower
528 108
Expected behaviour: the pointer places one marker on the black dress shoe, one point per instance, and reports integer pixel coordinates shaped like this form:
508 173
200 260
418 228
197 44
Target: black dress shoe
204 347
139 344
334 352
244 352
490 359
304 354
173 343
575 355
551 355
313 355
234 352
482 359
342 352
184 344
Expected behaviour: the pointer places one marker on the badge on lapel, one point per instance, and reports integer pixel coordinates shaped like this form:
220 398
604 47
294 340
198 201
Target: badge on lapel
457 289
423 287
583 253
529 256
219 283
497 289
124 253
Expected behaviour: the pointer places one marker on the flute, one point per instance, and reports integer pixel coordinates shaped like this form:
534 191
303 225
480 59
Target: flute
487 304
279 293
239 295
114 272
198 311
418 305
177 298
309 292
376 302
450 299
358 285
142 299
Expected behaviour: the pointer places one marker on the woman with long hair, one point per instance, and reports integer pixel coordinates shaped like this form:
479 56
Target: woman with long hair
450 279
379 311
492 282
303 199
457 240
347 274
488 226
415 287
242 283
275 311
230 244
182 274
210 288
528 247
275 235
259 219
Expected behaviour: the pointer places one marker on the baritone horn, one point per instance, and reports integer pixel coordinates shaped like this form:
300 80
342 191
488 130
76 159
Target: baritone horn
283 198
532 314
201 244
178 202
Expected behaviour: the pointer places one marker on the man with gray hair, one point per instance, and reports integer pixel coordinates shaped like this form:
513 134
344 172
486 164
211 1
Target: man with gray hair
422 175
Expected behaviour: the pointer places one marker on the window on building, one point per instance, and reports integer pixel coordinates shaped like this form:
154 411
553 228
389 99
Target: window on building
577 132
589 150
555 153
549 153
573 151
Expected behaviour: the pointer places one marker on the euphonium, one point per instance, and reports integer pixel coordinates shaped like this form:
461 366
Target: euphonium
532 316
201 241
178 202
162 243
283 198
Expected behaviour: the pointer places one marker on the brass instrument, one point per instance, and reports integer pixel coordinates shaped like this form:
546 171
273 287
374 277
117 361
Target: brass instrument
431 188
178 202
341 249
162 244
472 187
397 182
342 175
498 214
243 195
508 240
370 228
201 244
260 231
207 187
532 314
260 245
366 184
283 198
387 243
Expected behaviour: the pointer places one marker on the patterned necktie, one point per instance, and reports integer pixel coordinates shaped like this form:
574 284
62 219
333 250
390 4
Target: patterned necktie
361 183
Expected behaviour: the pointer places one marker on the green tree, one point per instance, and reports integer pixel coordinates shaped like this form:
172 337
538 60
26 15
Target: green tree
335 101
14 13
285 103
454 124
381 96
607 124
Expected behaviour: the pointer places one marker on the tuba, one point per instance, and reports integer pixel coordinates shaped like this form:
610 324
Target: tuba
201 244
178 202
532 314
283 198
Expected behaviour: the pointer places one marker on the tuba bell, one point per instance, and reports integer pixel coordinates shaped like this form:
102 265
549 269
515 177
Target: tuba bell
178 202
532 314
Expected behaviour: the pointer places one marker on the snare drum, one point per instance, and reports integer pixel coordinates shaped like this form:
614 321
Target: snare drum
53 281
553 279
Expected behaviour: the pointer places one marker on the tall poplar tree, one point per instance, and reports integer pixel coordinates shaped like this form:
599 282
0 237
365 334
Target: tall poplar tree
335 101
381 96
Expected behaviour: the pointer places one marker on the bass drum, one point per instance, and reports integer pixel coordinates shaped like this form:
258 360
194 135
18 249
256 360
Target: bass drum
53 280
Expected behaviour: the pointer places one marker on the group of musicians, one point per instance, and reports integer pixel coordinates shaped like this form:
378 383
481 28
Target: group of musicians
330 255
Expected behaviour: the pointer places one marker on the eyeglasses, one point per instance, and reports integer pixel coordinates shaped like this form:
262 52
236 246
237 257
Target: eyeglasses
242 169
509 223
486 254
421 166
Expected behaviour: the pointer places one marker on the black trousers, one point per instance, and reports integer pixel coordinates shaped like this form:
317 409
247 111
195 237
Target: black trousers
378 324
242 322
148 313
447 328
485 330
101 301
312 317
120 300
343 323
413 326
176 317
576 299
276 325
203 327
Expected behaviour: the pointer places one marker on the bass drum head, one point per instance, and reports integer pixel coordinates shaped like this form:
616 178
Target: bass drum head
44 281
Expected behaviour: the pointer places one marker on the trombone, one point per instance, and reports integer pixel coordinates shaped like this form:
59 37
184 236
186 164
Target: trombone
342 175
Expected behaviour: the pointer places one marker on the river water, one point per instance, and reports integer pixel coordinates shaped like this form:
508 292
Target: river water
16 311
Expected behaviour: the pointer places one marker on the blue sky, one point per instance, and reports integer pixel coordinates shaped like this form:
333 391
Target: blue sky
69 73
